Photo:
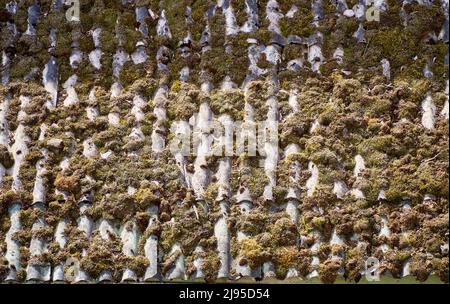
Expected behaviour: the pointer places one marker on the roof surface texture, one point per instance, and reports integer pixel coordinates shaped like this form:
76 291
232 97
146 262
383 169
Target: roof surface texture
94 93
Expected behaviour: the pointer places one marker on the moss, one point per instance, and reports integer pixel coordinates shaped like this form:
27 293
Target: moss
441 268
126 31
10 196
24 253
256 182
219 63
77 241
86 44
349 90
183 101
22 66
57 211
256 95
328 115
325 157
29 216
27 174
406 42
5 223
328 270
148 193
22 237
175 13
43 259
69 184
211 193
110 139
376 107
144 86
104 17
420 267
116 206
142 220
300 25
108 42
229 102
322 195
373 183
32 43
284 232
323 225
6 158
253 253
170 261
146 129
45 233
137 264
285 172
293 127
103 256
433 245
253 223
190 227
358 114
291 257
414 181
354 265
132 73
210 265
21 275
269 238
4 268
63 45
